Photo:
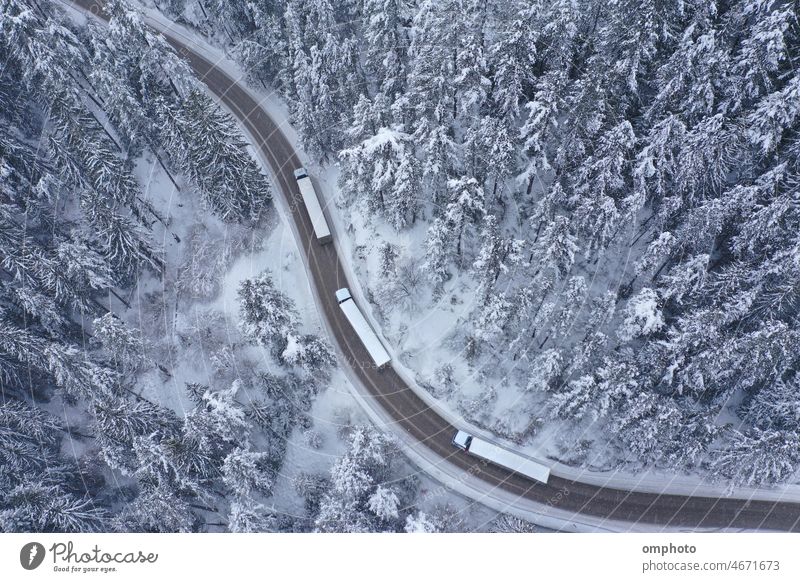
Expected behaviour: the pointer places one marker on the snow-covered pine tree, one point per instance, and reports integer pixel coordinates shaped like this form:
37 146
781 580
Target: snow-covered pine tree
383 171
267 315
386 44
202 137
513 57
762 457
122 345
360 498
497 255
556 248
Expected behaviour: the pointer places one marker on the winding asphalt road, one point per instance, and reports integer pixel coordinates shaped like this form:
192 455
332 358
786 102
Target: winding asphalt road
410 413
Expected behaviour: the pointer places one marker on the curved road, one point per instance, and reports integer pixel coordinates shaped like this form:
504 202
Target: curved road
411 413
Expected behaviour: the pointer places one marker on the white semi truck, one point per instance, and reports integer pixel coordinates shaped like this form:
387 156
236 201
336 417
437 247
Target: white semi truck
311 201
500 456
368 337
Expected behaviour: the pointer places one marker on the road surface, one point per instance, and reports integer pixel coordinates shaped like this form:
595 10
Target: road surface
409 412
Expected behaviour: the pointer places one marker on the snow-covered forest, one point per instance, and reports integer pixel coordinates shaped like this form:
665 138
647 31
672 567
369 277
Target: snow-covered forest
82 448
598 199
577 222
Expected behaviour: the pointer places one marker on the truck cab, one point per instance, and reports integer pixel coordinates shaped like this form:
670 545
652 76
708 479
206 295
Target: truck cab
343 295
300 173
462 440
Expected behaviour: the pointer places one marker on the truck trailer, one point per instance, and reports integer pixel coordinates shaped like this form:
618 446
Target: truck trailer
311 202
362 328
500 456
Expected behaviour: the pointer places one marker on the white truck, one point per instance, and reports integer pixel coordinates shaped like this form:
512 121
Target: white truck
311 201
500 456
368 337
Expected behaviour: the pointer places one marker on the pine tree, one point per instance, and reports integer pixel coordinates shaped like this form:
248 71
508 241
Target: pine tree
466 206
407 193
384 503
267 315
540 124
123 346
545 370
358 499
497 256
383 170
263 50
575 401
118 422
762 457
388 258
386 41
432 54
200 136
212 431
439 159
34 507
775 406
247 472
556 248
438 253
419 523
642 316
470 81
312 488
572 299
500 147
772 117
596 209
309 352
325 79
493 317
249 517
158 510
126 245
514 56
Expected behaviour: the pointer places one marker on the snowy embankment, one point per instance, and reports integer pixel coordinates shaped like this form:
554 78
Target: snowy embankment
347 247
